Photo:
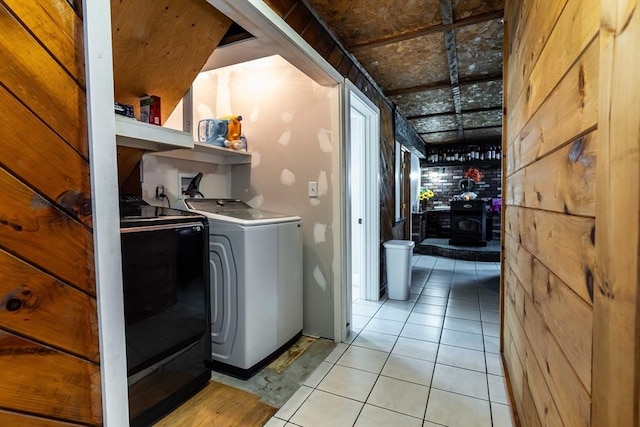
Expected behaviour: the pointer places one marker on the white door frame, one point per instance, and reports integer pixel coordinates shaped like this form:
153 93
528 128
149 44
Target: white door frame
354 98
101 128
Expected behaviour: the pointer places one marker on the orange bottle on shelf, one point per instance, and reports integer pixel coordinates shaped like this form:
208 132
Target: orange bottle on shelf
234 127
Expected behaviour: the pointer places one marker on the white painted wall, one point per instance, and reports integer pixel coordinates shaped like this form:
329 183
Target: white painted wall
292 127
216 179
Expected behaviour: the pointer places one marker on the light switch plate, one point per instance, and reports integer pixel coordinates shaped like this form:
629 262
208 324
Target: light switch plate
313 189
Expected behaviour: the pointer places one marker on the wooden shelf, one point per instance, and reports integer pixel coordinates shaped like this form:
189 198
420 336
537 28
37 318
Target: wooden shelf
172 143
208 153
132 133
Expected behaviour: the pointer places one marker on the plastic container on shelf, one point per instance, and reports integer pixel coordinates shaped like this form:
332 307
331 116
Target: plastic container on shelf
398 261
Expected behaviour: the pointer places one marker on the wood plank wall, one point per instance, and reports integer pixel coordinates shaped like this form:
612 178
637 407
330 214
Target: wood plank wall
304 22
557 350
616 313
49 354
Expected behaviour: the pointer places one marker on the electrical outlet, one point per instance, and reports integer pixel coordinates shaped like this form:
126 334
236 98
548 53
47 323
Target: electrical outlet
159 191
313 189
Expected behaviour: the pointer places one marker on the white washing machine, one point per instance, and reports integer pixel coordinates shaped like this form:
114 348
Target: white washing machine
256 283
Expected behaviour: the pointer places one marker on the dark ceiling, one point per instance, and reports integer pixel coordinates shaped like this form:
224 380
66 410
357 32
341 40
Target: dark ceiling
439 61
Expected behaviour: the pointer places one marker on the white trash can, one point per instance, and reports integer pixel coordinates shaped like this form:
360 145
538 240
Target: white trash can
398 255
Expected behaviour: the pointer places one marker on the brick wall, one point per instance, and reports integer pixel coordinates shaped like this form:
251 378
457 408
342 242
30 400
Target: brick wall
444 181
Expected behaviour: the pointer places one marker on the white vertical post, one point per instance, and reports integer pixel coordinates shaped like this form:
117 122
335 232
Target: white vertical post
106 219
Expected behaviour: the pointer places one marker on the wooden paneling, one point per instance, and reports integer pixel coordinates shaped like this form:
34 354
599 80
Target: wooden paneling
573 203
570 110
48 382
570 319
49 351
575 29
529 415
56 28
563 243
128 162
571 398
541 397
564 181
160 46
36 230
512 364
63 178
616 334
36 78
530 23
514 191
40 307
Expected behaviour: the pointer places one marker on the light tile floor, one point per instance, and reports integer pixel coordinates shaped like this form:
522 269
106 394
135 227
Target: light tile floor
430 361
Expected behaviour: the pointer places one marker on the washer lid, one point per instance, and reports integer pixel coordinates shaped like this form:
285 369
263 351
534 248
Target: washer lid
235 209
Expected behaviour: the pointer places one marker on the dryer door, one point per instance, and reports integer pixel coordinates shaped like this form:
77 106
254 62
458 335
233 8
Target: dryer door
224 297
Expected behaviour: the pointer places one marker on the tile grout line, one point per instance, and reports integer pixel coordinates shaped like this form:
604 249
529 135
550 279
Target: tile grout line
485 350
406 322
435 363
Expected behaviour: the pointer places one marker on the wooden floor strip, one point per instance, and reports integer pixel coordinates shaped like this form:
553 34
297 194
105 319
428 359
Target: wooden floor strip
292 354
221 406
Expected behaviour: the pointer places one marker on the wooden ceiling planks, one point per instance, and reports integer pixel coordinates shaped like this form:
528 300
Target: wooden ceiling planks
465 8
483 133
435 124
481 95
479 48
160 46
407 63
440 137
402 46
423 103
482 119
363 21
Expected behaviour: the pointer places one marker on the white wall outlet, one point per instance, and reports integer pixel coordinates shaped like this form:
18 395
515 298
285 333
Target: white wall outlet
313 189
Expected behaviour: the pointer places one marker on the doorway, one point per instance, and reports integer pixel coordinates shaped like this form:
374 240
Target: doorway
362 195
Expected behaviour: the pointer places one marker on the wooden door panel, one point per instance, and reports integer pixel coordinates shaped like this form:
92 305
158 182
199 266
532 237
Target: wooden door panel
36 305
49 383
36 230
25 141
35 78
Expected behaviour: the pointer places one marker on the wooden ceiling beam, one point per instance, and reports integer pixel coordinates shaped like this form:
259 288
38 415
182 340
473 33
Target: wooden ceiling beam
446 11
443 85
496 14
454 130
449 113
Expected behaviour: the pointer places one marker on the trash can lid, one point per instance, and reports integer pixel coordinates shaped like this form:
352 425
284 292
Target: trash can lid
401 244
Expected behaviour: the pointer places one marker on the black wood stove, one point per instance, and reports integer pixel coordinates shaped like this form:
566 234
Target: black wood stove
468 223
